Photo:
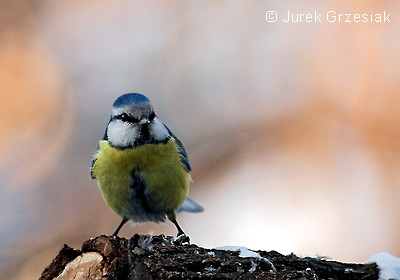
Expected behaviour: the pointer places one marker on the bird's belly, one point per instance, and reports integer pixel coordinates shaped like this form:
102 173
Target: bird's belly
143 183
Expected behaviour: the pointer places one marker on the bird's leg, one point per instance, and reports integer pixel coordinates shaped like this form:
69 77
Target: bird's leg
181 236
180 231
124 220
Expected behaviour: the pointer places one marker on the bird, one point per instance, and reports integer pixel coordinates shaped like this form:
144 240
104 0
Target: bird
141 167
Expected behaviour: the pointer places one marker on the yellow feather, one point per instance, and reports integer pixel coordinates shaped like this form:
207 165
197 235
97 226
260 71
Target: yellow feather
159 166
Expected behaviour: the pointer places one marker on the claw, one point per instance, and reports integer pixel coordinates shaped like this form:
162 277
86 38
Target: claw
181 239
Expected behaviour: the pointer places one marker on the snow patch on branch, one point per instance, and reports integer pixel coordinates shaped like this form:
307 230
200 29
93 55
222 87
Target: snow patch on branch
389 266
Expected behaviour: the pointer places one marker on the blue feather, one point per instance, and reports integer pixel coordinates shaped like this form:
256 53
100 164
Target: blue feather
94 157
130 98
185 159
181 149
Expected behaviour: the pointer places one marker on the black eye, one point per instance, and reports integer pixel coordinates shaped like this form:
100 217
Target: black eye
152 116
125 117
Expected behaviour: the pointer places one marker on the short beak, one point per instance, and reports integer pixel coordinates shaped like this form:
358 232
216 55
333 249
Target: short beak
144 120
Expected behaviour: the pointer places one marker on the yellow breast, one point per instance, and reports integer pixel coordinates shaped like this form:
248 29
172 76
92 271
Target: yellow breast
158 165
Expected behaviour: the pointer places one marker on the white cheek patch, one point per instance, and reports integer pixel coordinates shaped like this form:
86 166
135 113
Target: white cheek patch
158 130
121 134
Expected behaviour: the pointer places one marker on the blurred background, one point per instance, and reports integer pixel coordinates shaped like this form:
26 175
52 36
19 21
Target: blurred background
292 129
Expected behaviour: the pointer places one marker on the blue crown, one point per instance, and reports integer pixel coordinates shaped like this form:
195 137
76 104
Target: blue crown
130 98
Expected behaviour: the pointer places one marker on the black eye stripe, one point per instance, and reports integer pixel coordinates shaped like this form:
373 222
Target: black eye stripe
126 118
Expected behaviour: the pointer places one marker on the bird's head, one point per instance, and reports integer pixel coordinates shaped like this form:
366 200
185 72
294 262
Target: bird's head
133 122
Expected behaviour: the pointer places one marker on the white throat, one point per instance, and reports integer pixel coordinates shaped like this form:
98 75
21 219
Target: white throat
123 135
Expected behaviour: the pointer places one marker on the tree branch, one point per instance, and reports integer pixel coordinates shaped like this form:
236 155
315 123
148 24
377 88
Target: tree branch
160 257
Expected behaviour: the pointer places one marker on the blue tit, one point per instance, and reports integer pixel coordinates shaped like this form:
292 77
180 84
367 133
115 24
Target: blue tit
141 167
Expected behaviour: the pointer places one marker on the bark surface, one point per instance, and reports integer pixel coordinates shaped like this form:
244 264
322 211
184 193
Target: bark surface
160 257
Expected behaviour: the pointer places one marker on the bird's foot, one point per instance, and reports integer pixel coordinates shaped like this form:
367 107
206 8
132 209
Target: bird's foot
181 239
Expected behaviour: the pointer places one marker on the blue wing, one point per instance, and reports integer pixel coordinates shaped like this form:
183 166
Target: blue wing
91 168
181 149
185 158
94 157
